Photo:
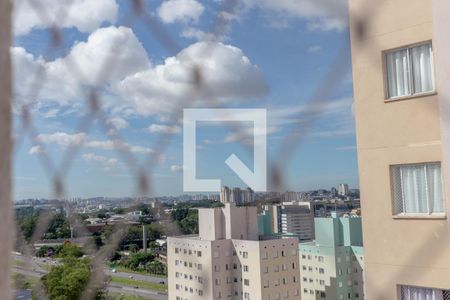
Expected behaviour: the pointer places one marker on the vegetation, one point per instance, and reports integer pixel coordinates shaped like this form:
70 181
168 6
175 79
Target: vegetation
27 220
68 280
143 262
68 250
139 283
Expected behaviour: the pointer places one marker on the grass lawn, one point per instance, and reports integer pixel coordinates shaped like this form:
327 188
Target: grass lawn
139 283
19 263
117 296
126 270
23 281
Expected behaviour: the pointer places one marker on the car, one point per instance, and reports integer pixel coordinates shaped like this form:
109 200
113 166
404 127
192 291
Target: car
114 270
162 282
131 277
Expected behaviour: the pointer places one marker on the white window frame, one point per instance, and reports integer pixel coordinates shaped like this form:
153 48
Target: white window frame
411 75
416 215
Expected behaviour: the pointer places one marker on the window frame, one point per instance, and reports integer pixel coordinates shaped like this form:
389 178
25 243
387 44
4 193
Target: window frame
403 215
408 47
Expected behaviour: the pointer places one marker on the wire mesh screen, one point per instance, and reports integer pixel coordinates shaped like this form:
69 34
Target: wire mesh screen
88 79
93 84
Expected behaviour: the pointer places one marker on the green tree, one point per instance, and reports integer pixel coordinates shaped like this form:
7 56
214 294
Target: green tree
137 261
67 281
69 250
58 228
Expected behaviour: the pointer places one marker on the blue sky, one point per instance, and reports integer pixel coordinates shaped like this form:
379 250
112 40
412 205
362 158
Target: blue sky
273 55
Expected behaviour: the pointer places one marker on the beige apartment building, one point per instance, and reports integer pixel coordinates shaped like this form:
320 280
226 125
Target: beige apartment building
229 260
401 68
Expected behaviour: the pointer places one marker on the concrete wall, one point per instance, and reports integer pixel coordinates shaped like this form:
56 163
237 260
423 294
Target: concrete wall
409 251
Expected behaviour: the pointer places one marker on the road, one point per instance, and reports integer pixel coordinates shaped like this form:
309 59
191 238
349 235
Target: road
37 271
148 294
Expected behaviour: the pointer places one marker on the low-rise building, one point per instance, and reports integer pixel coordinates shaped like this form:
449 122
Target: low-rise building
229 260
332 265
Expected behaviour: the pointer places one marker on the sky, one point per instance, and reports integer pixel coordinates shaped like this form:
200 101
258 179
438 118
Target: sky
268 54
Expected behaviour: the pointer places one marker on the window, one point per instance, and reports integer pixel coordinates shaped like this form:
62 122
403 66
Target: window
245 268
320 258
199 253
246 282
417 188
413 293
245 254
409 71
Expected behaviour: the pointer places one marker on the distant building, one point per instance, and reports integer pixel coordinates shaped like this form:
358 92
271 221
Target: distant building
297 219
248 196
289 219
332 265
343 189
236 196
228 260
334 192
225 195
290 196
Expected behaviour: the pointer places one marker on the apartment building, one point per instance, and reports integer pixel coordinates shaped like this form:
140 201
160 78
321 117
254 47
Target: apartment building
331 267
229 260
343 189
288 218
401 75
236 195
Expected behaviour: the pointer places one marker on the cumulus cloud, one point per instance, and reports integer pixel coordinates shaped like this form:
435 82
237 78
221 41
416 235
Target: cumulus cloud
60 81
167 129
35 150
107 163
64 139
85 15
226 72
118 123
171 11
322 15
176 168
133 85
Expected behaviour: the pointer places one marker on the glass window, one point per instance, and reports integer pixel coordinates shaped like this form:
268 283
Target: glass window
417 188
409 71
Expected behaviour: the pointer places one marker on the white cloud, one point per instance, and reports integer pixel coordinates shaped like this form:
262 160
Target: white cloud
118 123
176 168
133 85
171 11
107 163
64 139
226 72
314 49
60 81
160 128
36 150
319 14
193 33
85 15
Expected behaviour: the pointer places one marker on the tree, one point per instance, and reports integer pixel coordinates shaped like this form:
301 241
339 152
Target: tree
137 261
156 267
58 228
45 251
67 281
69 250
